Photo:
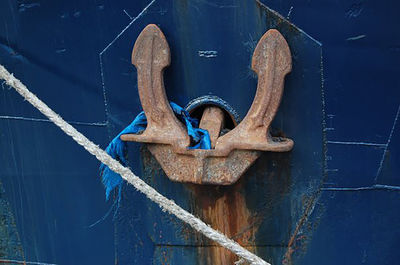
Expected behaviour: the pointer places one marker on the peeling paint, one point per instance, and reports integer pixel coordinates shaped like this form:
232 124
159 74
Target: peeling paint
24 7
207 54
359 37
355 9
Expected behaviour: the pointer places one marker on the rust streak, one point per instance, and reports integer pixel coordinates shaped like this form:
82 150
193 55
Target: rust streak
225 209
290 248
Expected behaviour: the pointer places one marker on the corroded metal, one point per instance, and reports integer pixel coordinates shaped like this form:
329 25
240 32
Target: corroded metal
150 56
203 166
231 154
272 62
212 121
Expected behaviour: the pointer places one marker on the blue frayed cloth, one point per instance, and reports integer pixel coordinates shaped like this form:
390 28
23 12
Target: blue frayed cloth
117 148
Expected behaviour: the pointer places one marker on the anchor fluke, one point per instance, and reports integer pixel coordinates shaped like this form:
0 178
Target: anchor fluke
151 55
271 61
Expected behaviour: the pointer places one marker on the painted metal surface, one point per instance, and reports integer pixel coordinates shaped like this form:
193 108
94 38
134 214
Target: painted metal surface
333 199
278 189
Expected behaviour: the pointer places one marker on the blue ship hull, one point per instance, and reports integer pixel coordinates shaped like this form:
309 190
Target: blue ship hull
333 199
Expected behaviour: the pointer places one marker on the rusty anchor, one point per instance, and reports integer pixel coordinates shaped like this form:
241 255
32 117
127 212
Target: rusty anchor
232 153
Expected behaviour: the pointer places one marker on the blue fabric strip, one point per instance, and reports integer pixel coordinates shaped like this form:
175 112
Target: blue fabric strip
200 139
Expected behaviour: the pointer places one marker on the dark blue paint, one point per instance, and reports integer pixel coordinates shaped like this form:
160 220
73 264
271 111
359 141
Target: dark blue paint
56 49
54 193
228 75
356 228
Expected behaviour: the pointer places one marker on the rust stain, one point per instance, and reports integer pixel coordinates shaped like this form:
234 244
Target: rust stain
230 209
225 209
297 239
165 257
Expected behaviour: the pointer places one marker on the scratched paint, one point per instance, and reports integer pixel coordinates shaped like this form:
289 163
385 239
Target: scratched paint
54 47
254 213
208 54
358 37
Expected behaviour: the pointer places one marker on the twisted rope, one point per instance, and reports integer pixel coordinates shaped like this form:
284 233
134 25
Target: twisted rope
164 203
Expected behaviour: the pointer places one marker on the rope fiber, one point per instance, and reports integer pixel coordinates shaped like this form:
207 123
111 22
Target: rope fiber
164 203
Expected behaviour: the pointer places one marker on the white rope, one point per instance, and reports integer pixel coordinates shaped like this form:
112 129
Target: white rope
165 204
